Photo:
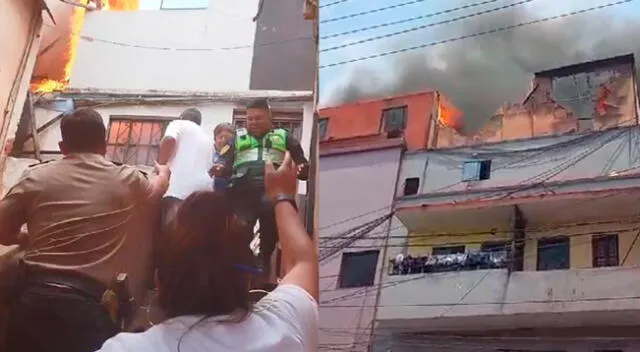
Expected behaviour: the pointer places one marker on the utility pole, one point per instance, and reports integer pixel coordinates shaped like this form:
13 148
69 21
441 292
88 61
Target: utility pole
310 13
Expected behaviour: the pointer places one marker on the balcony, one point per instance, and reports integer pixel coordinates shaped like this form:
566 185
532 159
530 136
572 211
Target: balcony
495 299
520 169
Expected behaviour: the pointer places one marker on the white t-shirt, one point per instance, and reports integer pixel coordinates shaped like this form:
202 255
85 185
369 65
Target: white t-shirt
192 159
286 320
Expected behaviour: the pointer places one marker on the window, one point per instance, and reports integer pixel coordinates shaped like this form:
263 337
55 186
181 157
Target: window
492 247
135 141
411 186
604 250
183 4
323 124
476 170
291 121
448 250
553 253
394 119
358 269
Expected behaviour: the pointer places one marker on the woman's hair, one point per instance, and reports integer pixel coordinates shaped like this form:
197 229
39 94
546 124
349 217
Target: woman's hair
199 258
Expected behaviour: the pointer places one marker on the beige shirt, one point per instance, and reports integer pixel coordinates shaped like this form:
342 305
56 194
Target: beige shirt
86 214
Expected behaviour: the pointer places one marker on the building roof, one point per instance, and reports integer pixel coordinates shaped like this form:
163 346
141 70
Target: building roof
587 66
373 100
124 96
360 144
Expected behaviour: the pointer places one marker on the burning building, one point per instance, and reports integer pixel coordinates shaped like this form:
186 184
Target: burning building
520 236
140 68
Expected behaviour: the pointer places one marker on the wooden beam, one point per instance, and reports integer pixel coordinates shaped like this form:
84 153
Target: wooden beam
34 129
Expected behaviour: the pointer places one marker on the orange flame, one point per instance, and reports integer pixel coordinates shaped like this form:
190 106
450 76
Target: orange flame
120 5
448 114
77 20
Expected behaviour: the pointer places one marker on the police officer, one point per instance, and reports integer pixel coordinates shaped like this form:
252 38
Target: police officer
89 233
247 152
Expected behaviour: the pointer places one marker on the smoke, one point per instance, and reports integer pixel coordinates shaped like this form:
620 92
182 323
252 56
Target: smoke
480 74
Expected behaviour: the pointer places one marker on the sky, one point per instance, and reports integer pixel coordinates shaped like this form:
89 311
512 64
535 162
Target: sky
496 67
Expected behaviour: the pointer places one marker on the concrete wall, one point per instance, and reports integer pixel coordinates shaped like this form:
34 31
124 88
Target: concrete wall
284 55
497 300
347 201
223 35
583 97
20 30
523 162
213 114
54 45
403 343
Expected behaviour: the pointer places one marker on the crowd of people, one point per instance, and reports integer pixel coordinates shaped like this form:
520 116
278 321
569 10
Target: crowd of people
100 235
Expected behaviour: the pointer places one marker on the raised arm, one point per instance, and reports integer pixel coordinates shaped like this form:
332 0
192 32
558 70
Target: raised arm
297 247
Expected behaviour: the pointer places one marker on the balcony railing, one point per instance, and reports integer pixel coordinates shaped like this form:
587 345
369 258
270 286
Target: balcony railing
479 260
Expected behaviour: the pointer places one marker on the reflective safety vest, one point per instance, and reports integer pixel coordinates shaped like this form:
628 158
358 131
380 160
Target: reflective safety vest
272 147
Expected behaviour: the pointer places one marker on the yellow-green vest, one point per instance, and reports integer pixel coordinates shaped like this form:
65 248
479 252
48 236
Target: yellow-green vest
248 148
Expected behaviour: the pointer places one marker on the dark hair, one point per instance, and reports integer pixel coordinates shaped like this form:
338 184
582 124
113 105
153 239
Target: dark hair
198 267
225 126
193 115
259 104
83 131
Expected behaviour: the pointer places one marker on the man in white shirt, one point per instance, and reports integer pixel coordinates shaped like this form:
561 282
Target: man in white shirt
188 150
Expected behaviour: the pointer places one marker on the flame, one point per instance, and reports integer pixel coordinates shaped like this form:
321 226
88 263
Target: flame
120 5
448 114
77 20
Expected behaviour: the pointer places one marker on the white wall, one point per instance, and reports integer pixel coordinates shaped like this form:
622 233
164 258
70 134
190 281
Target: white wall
225 24
497 300
525 162
212 115
356 188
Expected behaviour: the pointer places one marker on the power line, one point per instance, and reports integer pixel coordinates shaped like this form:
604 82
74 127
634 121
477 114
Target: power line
530 153
332 3
498 232
406 20
379 9
413 29
383 285
548 174
163 48
507 241
477 34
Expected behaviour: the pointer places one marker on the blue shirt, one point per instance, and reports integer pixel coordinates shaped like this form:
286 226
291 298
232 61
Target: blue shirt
219 183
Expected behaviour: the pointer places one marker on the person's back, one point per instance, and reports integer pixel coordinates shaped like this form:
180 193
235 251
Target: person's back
283 321
88 221
86 214
204 275
191 160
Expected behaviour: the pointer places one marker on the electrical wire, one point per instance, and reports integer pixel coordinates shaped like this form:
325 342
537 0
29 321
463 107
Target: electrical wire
332 3
358 292
531 153
477 34
417 28
163 48
375 10
406 20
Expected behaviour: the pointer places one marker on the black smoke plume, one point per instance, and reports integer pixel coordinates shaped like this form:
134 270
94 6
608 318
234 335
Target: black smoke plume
483 73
